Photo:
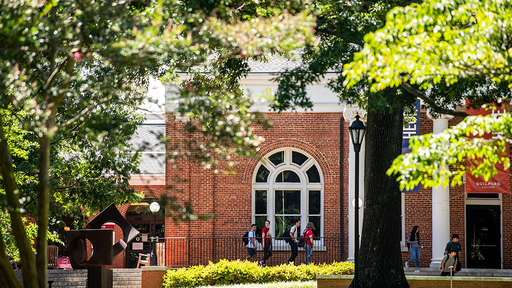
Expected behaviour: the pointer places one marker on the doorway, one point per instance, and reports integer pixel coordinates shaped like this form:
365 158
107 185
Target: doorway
139 216
483 238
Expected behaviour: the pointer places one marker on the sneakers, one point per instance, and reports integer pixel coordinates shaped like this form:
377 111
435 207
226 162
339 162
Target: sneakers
406 264
417 270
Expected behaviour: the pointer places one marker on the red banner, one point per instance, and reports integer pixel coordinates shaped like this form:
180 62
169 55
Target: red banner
499 183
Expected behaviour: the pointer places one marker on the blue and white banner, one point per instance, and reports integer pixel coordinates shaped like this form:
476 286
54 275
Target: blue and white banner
408 132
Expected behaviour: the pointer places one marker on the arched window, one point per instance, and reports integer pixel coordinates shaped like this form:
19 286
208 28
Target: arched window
288 184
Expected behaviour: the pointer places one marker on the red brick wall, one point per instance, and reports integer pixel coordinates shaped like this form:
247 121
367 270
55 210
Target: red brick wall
229 197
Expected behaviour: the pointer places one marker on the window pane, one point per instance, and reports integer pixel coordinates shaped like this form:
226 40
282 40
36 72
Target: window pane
298 158
261 202
288 176
313 175
283 223
262 174
292 202
316 221
279 202
287 202
277 158
314 202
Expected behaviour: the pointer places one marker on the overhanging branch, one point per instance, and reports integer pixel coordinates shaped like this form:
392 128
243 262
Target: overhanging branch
431 102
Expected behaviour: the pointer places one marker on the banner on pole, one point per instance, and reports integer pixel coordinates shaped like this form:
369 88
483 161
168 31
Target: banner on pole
499 183
412 130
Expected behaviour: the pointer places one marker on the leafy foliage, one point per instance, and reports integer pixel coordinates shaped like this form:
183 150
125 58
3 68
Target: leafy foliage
30 228
436 41
73 74
439 158
227 272
457 47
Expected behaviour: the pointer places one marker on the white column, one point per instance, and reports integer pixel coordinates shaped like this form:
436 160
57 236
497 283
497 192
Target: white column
349 115
440 207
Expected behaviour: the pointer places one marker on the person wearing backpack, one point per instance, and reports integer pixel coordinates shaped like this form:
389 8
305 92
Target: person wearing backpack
413 241
251 244
449 260
308 242
454 244
294 230
267 244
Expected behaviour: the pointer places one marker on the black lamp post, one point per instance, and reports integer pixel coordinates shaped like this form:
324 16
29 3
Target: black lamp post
357 131
154 207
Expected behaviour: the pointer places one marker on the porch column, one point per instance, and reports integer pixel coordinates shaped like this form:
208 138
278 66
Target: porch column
440 205
349 114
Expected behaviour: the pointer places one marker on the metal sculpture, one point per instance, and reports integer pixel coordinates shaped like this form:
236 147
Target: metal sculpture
104 252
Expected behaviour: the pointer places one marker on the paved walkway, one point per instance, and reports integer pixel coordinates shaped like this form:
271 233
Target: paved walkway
464 272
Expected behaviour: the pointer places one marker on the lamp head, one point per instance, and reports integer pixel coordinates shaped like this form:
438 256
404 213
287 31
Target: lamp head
154 207
357 131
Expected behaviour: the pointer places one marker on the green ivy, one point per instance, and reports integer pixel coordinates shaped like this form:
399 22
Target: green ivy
227 272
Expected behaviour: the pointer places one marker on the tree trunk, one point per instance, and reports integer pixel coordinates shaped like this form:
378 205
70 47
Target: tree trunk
18 227
44 207
380 259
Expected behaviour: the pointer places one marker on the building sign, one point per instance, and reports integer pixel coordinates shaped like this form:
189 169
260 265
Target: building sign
407 133
63 263
499 183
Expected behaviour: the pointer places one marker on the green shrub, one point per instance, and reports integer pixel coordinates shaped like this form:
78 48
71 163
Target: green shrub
227 272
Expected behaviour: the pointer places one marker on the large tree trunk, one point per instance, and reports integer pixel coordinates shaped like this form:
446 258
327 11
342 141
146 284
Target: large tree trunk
380 260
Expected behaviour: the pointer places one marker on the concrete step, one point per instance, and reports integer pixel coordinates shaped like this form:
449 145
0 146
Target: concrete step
464 272
123 278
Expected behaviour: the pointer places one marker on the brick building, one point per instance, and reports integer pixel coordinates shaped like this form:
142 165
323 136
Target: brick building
306 172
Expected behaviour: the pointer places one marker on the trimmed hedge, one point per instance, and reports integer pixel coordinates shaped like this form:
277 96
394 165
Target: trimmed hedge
227 272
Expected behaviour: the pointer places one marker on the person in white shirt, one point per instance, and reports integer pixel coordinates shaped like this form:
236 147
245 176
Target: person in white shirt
251 246
294 231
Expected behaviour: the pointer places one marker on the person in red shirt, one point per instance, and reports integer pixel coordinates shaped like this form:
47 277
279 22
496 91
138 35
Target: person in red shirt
267 244
308 241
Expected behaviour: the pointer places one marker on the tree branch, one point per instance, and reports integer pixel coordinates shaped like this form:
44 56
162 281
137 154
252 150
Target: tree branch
431 102
83 112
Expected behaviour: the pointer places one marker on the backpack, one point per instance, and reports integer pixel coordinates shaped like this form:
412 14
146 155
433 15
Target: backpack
286 236
258 236
245 238
302 239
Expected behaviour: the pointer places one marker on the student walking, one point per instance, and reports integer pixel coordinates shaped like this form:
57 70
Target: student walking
308 242
414 244
454 244
251 246
267 244
449 260
293 241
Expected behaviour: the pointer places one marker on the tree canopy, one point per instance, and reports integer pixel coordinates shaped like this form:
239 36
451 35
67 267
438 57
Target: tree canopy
461 47
73 72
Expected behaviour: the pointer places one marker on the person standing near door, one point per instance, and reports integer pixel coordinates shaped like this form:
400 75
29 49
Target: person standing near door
267 244
293 241
454 244
414 246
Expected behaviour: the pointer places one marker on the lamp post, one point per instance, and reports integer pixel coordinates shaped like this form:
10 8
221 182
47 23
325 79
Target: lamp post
154 207
357 131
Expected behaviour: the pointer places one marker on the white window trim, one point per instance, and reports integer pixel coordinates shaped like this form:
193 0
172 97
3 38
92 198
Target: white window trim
270 186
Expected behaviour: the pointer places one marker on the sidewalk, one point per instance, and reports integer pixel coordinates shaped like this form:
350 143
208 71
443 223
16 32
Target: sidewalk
464 272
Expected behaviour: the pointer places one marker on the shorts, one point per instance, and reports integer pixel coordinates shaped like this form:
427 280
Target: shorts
251 251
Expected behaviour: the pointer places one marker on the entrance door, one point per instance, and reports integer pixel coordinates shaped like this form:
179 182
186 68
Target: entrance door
483 238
